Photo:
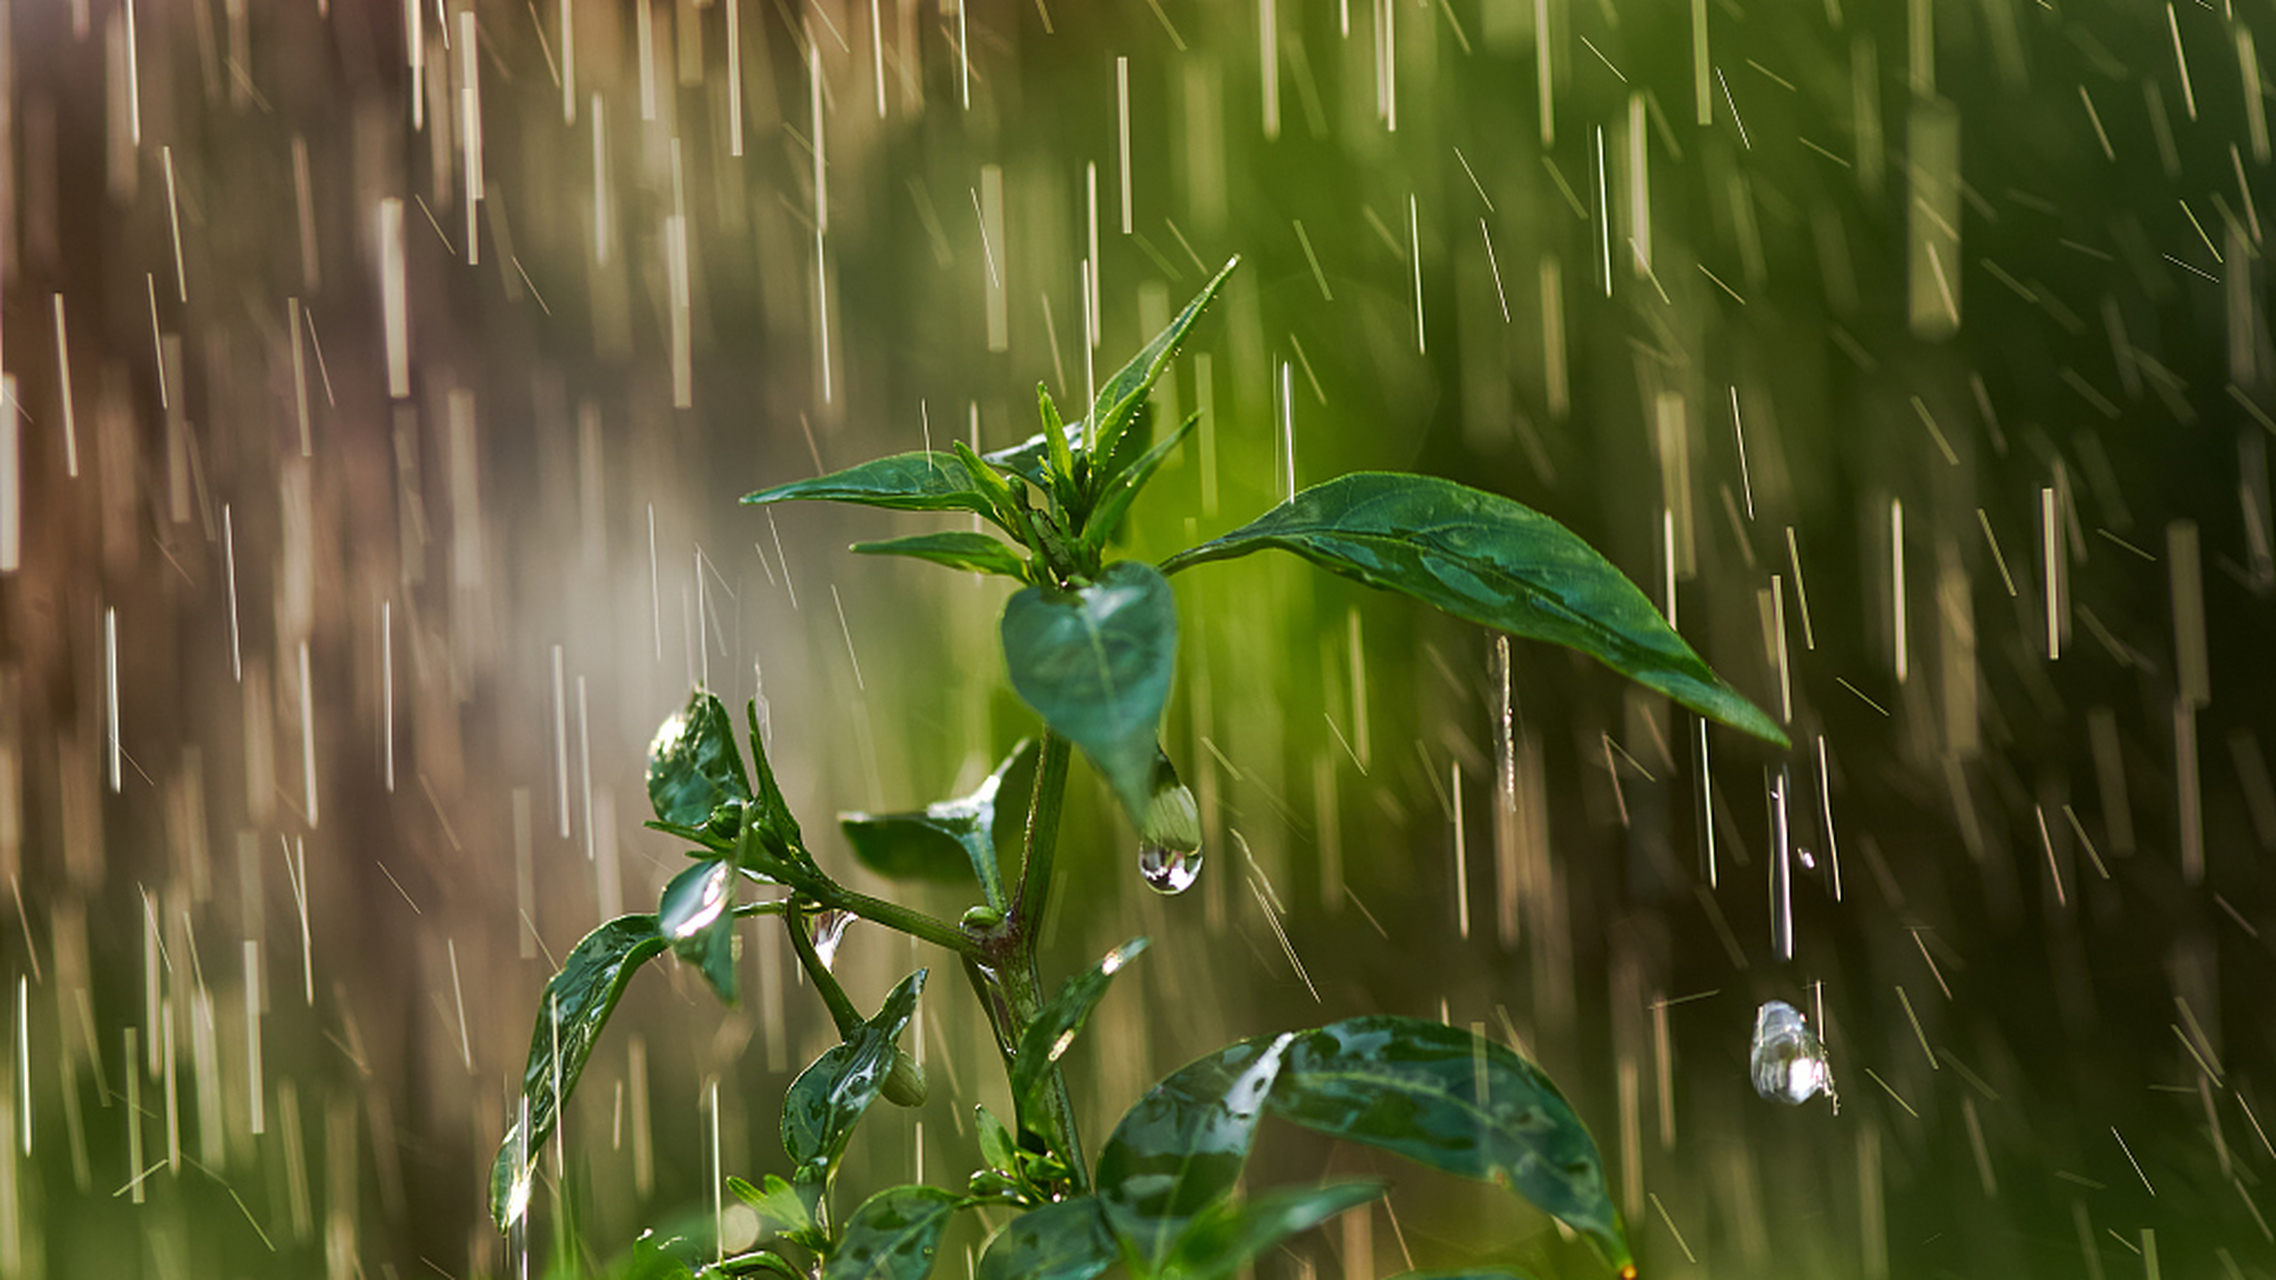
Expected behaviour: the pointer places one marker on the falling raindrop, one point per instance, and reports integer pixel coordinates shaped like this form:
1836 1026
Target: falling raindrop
829 931
1789 1062
1167 870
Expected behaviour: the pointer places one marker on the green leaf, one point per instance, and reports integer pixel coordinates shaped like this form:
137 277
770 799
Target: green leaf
1491 561
1095 664
781 1210
1179 1150
1063 1241
1494 1273
1454 1101
1059 450
828 1098
958 549
693 766
574 1007
893 1235
1054 1028
758 1262
1119 399
904 482
1122 488
697 916
775 825
647 1260
1229 1236
997 1146
949 842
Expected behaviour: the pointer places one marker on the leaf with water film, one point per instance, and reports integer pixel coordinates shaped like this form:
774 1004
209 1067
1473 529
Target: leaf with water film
1180 1149
1118 400
1095 664
828 1098
1068 1240
1230 1236
1456 1102
1055 1027
952 841
893 1235
693 766
1488 560
955 548
903 482
697 916
574 1007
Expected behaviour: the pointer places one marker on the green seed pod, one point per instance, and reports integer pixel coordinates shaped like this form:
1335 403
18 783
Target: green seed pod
905 1084
981 919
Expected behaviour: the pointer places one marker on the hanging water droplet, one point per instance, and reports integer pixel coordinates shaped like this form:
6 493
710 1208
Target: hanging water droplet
1789 1062
1167 870
829 931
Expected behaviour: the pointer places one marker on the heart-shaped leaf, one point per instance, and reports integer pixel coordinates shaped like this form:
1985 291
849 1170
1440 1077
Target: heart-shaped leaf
574 1007
893 1235
952 841
1063 1241
902 482
697 916
1454 1101
956 548
1488 560
1231 1235
1055 1026
1095 664
828 1098
693 766
1179 1150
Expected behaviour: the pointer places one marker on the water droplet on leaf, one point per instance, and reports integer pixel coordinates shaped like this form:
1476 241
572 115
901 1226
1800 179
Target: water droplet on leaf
1167 870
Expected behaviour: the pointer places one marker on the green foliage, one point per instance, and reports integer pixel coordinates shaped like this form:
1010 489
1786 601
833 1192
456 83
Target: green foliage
903 482
697 916
1090 646
1095 663
951 841
1066 1240
1454 1101
1490 561
1055 1027
893 1235
829 1097
956 549
572 1010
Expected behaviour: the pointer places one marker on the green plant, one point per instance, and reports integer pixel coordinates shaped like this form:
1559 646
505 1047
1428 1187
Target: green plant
1089 643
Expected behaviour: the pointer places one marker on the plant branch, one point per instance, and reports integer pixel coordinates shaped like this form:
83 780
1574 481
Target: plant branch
842 1010
1034 893
892 915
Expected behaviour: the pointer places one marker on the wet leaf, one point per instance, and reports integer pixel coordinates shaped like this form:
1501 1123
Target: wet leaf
1064 1241
1030 459
781 1210
697 916
1122 488
574 1007
828 1098
1454 1101
893 1235
902 482
1179 1151
997 1146
758 1262
770 817
1055 1027
958 549
1231 1235
1095 664
952 841
693 766
1488 560
1119 398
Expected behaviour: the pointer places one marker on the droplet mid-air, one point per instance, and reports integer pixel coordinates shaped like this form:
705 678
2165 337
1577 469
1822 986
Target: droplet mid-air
1168 870
1789 1062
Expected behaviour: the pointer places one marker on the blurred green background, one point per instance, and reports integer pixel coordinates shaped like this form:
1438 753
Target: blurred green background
330 647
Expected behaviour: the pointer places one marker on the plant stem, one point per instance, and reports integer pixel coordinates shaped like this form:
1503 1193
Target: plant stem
1020 974
893 916
842 1010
